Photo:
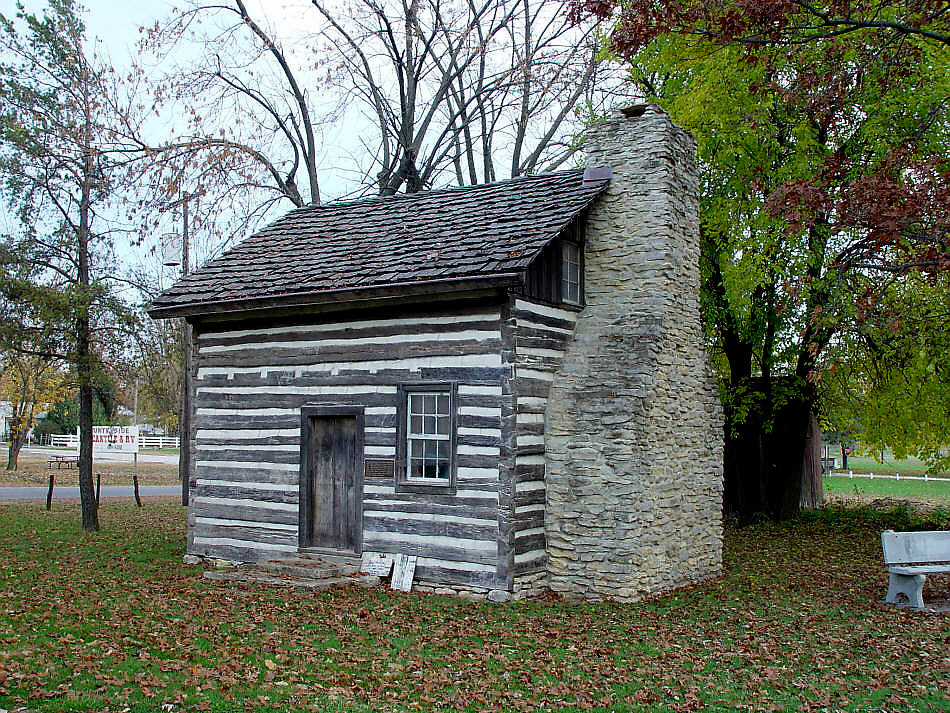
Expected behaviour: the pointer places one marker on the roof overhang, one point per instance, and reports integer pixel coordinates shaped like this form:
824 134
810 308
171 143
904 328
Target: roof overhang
351 296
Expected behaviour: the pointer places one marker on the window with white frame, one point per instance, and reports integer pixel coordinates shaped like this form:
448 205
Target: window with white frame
570 273
428 436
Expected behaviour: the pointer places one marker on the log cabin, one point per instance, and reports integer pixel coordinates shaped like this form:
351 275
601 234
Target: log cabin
506 380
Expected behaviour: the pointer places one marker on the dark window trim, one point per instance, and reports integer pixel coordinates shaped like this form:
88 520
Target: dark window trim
576 237
403 484
580 264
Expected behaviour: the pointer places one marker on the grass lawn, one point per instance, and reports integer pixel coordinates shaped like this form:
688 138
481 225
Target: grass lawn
886 487
114 622
890 466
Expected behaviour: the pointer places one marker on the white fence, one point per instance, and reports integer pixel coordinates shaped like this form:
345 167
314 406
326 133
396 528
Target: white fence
146 443
896 476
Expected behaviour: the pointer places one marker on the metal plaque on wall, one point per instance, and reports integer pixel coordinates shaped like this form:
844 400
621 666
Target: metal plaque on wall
379 468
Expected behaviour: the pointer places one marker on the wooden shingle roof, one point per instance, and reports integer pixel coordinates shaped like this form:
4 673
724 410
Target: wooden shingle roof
431 241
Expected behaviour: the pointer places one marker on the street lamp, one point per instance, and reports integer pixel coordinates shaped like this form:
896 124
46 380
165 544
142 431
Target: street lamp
170 249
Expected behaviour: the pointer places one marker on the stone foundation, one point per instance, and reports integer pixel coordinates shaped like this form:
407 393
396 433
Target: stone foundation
526 587
530 586
634 423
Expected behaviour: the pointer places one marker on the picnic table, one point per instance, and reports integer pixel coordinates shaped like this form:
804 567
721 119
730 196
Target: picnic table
62 461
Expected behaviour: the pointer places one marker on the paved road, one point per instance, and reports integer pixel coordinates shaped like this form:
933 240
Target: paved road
169 458
67 492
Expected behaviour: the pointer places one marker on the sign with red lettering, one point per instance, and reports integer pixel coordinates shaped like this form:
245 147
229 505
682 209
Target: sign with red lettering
113 439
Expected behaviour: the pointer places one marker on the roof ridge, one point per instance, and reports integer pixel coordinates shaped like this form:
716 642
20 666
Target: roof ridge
366 200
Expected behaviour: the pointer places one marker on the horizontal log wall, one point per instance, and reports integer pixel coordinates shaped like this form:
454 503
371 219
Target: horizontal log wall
251 383
541 334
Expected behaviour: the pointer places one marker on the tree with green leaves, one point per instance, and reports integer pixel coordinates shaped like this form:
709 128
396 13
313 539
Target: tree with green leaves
154 360
60 165
888 374
63 414
824 138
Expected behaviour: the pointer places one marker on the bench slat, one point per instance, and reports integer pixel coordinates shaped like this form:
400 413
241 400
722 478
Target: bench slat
916 547
919 569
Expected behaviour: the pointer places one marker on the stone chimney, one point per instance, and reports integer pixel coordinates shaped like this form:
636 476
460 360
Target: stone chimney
634 422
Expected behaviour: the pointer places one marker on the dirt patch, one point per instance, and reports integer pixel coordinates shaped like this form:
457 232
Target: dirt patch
34 471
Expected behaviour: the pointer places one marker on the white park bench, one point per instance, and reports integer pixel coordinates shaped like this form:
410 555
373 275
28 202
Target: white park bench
910 557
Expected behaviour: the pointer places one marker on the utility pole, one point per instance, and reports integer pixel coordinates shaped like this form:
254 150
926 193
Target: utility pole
184 418
184 422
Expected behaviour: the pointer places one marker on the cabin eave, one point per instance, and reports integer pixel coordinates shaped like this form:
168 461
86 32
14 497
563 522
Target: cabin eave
368 297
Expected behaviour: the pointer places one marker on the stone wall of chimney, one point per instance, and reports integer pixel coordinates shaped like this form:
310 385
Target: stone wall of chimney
633 421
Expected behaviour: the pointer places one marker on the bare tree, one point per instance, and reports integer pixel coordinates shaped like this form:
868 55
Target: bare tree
234 80
438 91
244 135
485 89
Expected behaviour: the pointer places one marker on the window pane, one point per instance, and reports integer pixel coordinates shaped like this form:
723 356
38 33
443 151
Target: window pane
571 292
443 405
444 426
416 449
442 470
431 450
415 468
429 469
443 449
429 403
430 426
415 425
567 253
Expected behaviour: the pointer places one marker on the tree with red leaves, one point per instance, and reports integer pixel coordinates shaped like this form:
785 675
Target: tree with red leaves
824 138
773 23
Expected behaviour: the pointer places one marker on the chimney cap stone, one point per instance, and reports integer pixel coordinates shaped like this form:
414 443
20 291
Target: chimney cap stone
634 111
598 173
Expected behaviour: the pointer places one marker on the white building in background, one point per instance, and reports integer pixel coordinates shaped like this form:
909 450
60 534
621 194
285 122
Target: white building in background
6 418
6 415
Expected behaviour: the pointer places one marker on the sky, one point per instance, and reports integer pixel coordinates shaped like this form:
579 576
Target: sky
114 22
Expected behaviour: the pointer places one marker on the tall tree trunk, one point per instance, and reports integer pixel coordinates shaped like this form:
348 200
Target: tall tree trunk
786 448
768 450
768 455
84 356
87 492
812 494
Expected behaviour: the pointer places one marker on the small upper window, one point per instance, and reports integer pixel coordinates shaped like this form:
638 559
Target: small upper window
428 436
570 273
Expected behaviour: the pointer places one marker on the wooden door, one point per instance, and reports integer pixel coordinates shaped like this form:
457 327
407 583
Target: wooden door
331 481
